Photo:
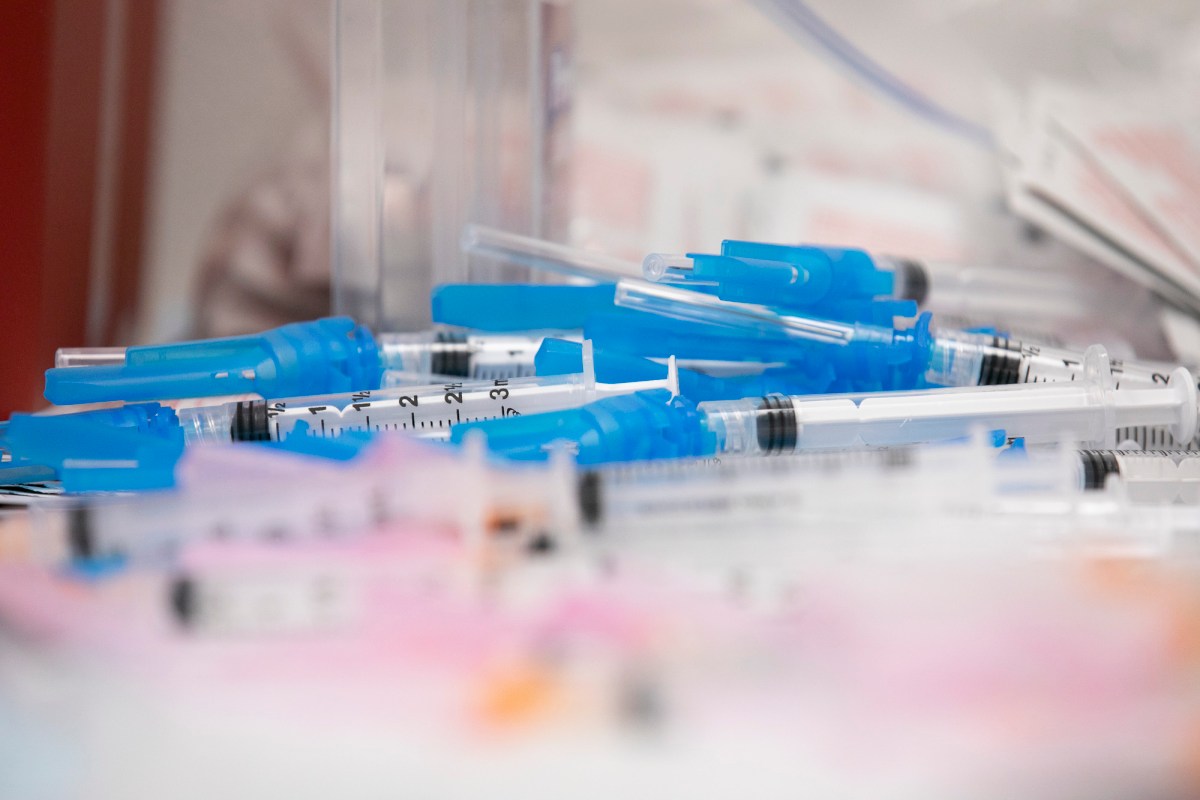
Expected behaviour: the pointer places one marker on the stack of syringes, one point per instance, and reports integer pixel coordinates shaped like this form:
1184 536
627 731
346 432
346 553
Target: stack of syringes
742 522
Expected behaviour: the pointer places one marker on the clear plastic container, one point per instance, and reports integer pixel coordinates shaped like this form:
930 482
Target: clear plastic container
444 112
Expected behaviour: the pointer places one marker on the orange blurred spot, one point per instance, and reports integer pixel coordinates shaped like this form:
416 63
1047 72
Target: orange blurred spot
1146 584
518 694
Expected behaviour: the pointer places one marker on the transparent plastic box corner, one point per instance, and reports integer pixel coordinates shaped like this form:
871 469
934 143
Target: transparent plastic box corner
444 112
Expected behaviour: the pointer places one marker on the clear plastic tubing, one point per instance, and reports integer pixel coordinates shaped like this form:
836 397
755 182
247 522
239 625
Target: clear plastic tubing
571 262
89 356
1087 410
425 411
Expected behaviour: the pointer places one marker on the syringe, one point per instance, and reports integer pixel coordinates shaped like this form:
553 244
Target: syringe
233 493
729 493
1148 476
425 411
732 493
863 357
326 355
851 284
901 358
1088 411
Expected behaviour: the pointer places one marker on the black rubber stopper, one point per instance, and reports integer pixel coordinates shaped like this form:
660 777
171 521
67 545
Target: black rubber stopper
79 533
1097 466
541 544
183 601
590 499
897 457
776 424
250 422
453 357
916 280
1001 363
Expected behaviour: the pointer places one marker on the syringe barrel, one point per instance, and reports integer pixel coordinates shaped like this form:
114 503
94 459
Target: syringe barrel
958 358
207 423
961 358
424 411
699 491
1087 410
1157 476
459 354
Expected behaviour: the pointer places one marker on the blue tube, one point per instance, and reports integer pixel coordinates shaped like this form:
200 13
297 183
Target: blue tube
518 306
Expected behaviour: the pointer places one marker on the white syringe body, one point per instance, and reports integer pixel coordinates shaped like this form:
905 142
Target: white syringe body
233 493
960 358
740 494
425 411
1087 411
1145 476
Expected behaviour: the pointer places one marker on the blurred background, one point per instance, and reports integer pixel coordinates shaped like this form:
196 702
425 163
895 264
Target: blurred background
176 167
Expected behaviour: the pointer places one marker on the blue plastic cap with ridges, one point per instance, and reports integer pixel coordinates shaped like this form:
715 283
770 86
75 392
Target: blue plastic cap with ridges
831 282
845 271
562 357
632 427
518 306
320 357
90 455
144 417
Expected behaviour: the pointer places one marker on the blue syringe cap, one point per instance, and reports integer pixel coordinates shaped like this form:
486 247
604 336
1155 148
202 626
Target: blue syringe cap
518 306
88 454
565 357
643 425
849 271
323 356
149 418
832 282
655 336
